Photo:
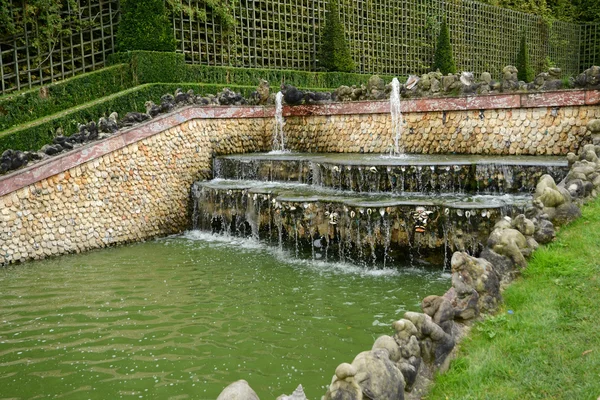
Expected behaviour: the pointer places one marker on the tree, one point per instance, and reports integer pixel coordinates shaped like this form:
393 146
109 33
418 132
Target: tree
525 73
144 25
335 53
443 59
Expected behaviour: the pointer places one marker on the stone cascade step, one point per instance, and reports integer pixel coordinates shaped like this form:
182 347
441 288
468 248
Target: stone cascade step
408 173
365 228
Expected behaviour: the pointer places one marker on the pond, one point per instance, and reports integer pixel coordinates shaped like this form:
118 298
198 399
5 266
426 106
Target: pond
184 316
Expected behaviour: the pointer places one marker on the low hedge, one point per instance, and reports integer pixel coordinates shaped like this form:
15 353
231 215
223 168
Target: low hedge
134 68
131 79
34 135
150 67
19 108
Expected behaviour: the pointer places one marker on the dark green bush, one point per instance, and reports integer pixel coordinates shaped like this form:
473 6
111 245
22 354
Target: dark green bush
525 71
335 53
144 25
443 60
30 105
152 66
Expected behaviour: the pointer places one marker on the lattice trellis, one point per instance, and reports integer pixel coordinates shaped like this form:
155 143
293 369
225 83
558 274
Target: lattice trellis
389 37
86 49
393 37
590 45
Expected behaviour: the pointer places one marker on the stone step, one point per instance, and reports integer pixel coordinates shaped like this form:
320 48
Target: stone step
407 173
342 225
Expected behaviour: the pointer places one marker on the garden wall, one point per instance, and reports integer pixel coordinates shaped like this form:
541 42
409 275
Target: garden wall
135 185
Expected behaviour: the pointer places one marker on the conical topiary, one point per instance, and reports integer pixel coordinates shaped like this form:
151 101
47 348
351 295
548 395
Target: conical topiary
443 52
525 72
335 53
144 25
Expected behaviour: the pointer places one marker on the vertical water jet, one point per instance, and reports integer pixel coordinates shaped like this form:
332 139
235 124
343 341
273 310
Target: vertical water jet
396 113
278 136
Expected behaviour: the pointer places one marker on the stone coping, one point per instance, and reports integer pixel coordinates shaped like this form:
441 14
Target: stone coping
63 162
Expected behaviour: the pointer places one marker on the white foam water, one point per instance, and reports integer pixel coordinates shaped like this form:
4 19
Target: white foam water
396 113
286 257
278 135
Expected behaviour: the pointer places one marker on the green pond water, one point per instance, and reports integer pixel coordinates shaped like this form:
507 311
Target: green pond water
182 317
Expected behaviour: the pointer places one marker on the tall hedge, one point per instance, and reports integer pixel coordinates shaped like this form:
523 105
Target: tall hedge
144 25
525 71
444 61
335 53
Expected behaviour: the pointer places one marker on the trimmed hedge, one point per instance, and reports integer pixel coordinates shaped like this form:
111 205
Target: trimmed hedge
34 135
525 71
334 54
19 108
151 67
443 59
134 68
116 88
144 25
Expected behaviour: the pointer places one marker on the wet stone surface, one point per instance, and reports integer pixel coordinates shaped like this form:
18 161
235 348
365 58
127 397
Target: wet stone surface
410 173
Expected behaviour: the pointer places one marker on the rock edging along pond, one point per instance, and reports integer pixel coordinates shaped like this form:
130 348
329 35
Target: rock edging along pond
403 365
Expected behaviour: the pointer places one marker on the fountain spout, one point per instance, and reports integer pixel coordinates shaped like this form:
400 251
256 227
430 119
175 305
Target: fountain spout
278 136
396 112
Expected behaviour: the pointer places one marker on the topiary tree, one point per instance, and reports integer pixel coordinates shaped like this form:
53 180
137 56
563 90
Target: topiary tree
144 25
526 72
443 59
335 53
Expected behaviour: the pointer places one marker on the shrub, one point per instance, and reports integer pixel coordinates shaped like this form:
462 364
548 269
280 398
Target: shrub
144 25
29 105
525 71
335 53
443 52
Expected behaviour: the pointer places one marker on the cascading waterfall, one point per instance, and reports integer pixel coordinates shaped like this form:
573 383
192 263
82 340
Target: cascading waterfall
278 136
367 211
396 112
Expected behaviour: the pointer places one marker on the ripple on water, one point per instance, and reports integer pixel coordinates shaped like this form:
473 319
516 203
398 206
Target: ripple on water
184 316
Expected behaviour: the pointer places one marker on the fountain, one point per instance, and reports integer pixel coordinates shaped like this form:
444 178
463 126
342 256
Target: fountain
396 113
278 136
366 209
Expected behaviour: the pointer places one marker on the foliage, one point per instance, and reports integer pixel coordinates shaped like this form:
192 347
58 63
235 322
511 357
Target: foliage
51 19
443 59
34 135
144 25
150 67
88 96
545 342
220 9
335 53
29 105
526 72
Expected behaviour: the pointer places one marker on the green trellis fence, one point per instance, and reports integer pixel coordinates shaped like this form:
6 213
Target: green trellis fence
393 37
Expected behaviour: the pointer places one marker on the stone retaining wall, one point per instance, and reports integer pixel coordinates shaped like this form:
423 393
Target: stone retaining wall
117 194
535 131
135 185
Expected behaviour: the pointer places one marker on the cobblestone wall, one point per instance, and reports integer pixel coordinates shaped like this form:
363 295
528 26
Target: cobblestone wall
535 131
133 193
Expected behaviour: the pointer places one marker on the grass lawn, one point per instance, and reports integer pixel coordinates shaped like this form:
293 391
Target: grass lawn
545 341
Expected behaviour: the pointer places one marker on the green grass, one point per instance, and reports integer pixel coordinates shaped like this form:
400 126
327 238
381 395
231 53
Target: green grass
545 342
